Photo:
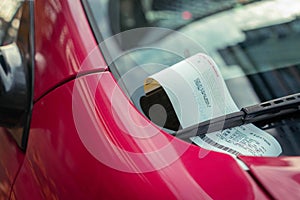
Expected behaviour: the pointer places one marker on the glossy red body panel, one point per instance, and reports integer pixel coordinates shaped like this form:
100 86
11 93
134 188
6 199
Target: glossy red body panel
73 171
97 145
280 176
63 40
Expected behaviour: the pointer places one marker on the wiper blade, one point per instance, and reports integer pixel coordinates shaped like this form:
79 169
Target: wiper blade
256 113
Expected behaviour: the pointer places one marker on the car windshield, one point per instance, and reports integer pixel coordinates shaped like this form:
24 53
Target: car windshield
254 43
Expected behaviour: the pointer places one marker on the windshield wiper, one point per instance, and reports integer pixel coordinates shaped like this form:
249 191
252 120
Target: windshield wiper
256 113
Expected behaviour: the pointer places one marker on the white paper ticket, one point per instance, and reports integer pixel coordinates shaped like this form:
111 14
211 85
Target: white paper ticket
198 93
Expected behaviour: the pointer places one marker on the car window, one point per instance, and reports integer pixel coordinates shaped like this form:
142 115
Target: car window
255 43
243 37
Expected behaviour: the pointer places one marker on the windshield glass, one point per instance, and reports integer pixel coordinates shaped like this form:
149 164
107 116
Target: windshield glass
254 43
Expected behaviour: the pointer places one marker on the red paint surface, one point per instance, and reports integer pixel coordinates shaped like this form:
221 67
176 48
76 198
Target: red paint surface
63 41
89 156
280 176
59 165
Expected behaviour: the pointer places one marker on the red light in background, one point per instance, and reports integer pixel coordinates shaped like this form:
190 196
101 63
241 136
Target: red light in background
186 15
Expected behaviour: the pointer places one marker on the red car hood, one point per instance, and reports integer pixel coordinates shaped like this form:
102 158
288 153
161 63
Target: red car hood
279 176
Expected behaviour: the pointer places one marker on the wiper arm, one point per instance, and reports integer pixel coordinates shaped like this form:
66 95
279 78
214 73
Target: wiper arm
256 113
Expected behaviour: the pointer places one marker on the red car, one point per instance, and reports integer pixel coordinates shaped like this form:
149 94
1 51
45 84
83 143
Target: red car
73 117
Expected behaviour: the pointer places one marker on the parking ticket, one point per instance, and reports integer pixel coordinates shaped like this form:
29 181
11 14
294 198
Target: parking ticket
198 93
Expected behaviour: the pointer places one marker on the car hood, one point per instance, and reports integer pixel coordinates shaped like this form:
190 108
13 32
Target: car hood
279 176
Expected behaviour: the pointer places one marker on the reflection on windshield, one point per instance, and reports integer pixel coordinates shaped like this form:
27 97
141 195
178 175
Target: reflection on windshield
244 37
255 43
255 28
173 14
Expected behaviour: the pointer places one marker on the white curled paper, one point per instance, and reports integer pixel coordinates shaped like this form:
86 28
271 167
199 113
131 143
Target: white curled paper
198 93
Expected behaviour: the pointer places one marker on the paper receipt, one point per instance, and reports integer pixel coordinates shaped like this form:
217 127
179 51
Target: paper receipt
198 93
